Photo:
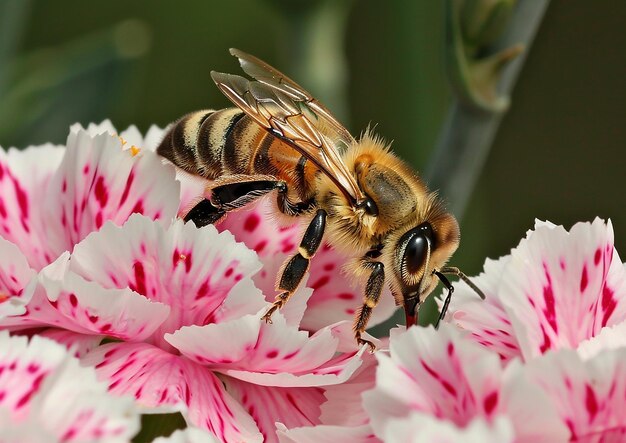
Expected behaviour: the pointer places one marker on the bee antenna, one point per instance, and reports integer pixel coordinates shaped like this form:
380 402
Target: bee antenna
456 271
444 280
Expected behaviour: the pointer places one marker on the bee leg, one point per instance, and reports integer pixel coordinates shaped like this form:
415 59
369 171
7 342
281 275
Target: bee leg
373 289
232 195
296 266
204 213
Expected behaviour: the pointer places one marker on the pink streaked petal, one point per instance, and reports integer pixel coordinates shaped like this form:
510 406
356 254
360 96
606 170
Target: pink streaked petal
24 176
327 434
613 337
15 275
333 372
192 190
243 299
267 405
556 288
191 270
423 428
588 394
335 296
434 372
161 381
344 405
222 343
61 399
281 348
77 344
486 320
100 181
23 368
188 435
66 300
249 344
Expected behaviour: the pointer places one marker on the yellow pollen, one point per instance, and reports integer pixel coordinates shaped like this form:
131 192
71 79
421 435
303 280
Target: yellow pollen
122 140
4 297
134 150
182 257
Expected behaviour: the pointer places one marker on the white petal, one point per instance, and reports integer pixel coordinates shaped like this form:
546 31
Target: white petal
188 435
326 434
422 428
609 338
15 275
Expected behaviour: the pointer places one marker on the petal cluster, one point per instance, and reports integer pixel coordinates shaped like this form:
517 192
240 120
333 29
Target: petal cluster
166 313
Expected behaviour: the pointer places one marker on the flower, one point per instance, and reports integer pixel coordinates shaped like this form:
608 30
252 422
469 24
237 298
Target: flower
555 290
163 310
52 197
45 395
440 376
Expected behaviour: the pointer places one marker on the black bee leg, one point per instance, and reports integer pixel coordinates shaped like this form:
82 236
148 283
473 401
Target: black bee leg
204 213
296 266
232 195
446 303
373 289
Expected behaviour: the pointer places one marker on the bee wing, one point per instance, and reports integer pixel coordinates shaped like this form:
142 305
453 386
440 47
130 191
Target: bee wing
270 76
283 108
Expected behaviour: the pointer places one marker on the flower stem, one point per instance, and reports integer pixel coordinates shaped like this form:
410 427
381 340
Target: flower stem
468 131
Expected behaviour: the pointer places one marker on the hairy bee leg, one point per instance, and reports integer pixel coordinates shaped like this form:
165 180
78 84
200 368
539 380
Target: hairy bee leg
373 289
204 213
446 303
296 266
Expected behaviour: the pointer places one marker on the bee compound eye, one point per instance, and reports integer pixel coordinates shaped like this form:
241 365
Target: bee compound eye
419 241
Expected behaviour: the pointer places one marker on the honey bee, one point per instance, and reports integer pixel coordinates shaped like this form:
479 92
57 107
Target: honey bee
356 194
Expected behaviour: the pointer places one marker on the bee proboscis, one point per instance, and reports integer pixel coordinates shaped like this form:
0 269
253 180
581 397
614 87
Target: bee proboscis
355 193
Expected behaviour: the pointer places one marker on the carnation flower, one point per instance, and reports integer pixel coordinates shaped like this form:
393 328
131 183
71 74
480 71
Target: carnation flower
555 290
164 311
46 396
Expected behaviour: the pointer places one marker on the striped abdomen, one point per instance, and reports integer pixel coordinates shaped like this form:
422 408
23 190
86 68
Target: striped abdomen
214 144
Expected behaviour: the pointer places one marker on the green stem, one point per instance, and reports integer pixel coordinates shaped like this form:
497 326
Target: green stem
468 132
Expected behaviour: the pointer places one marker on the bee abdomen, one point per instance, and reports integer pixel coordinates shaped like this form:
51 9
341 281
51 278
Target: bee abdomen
196 142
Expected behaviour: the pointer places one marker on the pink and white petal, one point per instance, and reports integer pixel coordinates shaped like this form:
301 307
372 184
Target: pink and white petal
486 320
553 285
613 337
77 344
15 275
45 388
23 176
344 402
587 394
532 412
259 346
434 372
333 372
243 299
191 270
281 348
189 435
294 407
23 368
99 181
326 434
93 129
423 428
217 344
161 381
66 300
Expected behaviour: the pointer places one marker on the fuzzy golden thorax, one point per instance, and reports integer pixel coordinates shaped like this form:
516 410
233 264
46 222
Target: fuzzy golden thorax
403 202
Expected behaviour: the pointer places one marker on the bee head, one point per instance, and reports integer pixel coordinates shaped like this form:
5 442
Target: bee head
420 251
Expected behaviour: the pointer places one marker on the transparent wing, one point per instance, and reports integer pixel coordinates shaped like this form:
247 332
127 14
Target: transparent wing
286 110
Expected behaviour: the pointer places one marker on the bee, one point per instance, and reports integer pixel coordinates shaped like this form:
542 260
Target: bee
355 194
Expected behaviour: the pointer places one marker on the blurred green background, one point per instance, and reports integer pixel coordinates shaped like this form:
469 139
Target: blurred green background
559 153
